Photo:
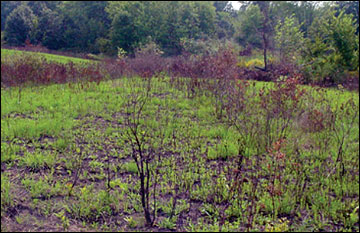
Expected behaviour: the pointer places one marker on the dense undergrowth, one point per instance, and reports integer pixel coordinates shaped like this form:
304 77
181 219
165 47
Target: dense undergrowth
216 64
154 150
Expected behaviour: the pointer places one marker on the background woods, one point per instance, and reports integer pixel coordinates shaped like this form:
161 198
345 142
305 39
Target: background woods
179 116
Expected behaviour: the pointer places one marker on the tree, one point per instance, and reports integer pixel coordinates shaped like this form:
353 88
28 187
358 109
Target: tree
185 20
224 20
6 8
39 26
343 35
84 22
249 26
221 5
166 22
19 25
289 39
332 46
127 28
125 32
224 27
302 11
265 29
52 29
206 14
262 26
349 7
306 13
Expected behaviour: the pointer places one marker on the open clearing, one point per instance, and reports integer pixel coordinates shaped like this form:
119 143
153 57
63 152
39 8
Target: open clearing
269 157
59 132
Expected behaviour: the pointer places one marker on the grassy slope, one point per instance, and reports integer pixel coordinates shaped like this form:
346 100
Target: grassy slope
49 57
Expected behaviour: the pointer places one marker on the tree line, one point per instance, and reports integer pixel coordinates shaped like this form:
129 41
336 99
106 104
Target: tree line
174 26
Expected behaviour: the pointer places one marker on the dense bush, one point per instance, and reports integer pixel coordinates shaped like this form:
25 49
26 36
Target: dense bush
205 71
19 70
204 46
331 50
289 39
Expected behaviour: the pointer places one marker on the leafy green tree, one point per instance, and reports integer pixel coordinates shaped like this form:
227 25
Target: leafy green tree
174 29
303 11
185 20
252 22
259 21
224 20
105 46
306 13
349 7
127 30
6 8
221 5
125 33
38 7
19 25
332 46
224 25
84 22
166 22
342 32
206 14
52 29
40 22
289 39
249 27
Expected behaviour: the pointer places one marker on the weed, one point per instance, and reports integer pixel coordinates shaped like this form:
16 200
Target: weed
131 222
64 220
168 223
208 152
6 195
41 188
280 226
38 160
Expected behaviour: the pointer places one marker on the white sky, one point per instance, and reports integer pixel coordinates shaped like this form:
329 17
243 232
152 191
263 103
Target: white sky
235 4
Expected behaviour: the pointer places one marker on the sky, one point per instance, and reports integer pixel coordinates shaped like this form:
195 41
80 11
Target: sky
235 4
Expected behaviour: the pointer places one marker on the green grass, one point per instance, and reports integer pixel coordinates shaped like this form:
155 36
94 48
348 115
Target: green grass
59 138
38 160
49 57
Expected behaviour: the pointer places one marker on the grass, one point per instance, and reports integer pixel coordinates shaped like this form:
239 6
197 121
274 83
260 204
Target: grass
49 57
67 164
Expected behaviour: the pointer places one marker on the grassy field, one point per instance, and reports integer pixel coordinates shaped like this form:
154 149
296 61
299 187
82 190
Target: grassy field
78 157
49 57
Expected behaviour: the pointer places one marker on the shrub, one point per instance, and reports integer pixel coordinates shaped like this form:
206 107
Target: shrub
115 68
149 48
32 70
147 64
331 49
289 39
200 46
104 46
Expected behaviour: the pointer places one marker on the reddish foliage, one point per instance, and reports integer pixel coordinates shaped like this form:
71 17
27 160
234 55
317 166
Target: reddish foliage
34 71
283 100
246 52
205 72
146 65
